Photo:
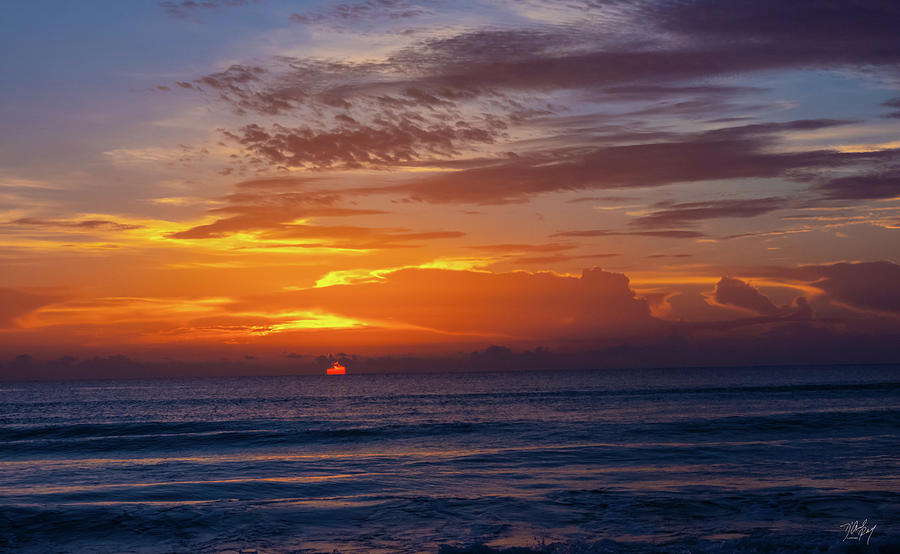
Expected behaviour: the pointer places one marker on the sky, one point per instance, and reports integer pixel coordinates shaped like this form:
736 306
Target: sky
254 184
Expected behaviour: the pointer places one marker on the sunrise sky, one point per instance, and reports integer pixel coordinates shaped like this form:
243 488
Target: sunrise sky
272 180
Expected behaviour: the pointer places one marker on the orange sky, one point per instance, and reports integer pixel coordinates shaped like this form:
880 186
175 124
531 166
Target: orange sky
445 179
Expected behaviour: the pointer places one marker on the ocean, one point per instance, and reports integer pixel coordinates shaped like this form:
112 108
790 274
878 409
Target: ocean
771 459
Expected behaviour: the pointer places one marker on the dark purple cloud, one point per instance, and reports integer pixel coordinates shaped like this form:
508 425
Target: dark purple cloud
427 102
728 153
734 292
882 184
437 101
696 40
688 213
668 234
352 145
872 286
862 30
866 285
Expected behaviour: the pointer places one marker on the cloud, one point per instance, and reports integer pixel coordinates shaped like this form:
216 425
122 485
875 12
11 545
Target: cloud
557 258
279 183
253 210
771 233
15 303
682 43
734 292
518 305
538 253
692 43
359 12
668 234
411 306
277 218
800 32
183 9
610 199
734 308
79 225
259 219
882 184
728 153
895 104
595 318
383 143
866 286
687 213
354 237
272 234
518 248
465 99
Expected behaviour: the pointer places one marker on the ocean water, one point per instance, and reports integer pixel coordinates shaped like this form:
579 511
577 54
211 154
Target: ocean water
679 460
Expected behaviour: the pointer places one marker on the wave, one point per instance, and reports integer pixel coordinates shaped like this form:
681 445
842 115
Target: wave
47 439
864 422
699 431
754 543
699 521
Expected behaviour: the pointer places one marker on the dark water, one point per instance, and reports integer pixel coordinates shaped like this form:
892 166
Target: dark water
750 460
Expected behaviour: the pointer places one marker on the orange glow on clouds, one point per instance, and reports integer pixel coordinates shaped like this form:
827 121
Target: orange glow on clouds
402 196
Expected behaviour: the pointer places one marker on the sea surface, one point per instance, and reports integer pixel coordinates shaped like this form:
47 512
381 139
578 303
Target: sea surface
676 460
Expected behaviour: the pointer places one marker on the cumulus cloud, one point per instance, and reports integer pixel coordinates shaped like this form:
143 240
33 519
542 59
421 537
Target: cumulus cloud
518 305
734 292
867 286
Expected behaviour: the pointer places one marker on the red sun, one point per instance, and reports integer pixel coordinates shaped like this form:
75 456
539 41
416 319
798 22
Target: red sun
336 369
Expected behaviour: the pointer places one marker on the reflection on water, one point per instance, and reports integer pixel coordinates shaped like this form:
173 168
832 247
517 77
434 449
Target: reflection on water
744 460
